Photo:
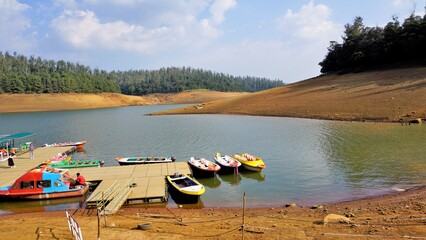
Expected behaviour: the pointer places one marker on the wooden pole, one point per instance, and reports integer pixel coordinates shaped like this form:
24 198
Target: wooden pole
103 202
244 210
99 223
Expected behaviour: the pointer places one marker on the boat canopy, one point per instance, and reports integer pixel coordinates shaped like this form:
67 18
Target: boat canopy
17 140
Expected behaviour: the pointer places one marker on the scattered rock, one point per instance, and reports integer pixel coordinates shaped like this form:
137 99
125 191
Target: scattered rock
349 214
335 218
317 207
145 226
291 205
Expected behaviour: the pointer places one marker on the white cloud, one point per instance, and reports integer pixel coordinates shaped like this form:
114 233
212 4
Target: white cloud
13 25
84 29
311 22
218 9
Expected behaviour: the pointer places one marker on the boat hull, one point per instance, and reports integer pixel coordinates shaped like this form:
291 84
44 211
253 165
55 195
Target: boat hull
201 167
143 160
227 164
40 196
251 168
201 173
254 164
184 189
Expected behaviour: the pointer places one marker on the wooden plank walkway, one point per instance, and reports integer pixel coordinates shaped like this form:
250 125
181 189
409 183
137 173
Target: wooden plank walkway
23 163
147 180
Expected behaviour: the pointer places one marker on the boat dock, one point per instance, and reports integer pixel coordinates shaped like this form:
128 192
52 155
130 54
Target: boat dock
23 163
118 185
131 184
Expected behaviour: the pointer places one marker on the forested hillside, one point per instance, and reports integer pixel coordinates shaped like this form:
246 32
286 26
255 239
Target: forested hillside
173 80
20 74
369 47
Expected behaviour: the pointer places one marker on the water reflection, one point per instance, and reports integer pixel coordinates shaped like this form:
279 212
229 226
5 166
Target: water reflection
175 197
232 179
373 156
211 182
259 176
11 207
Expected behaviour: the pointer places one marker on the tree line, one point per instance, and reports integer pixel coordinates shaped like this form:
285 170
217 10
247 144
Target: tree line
369 47
174 79
20 74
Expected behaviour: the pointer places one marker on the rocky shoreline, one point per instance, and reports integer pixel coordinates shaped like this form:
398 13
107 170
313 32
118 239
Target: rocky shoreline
399 215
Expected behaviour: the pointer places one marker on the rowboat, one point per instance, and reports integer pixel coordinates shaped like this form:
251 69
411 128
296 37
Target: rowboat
79 145
144 160
227 163
43 184
202 167
250 162
77 163
186 187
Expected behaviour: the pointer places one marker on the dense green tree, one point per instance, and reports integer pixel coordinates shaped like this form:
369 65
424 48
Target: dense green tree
173 79
369 47
19 74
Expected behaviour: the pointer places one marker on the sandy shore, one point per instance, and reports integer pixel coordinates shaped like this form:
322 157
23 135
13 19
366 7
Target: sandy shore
398 216
75 101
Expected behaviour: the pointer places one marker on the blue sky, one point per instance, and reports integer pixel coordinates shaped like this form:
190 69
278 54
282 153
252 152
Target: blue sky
275 39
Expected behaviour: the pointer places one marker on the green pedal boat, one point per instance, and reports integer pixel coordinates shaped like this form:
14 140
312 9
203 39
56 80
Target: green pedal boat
77 163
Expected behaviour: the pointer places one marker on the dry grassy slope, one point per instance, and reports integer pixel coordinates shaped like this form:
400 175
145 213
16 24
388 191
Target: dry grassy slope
386 95
72 101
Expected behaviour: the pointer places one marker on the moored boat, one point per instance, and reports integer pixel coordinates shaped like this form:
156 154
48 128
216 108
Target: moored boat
77 163
227 163
43 184
250 162
188 188
202 167
144 160
79 145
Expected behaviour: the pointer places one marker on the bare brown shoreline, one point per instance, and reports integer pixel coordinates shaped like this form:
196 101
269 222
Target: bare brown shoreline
393 95
400 215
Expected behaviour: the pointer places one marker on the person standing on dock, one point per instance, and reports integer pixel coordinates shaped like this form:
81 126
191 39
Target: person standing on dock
32 147
10 161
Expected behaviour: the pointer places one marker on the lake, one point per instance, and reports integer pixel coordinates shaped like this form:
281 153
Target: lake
307 161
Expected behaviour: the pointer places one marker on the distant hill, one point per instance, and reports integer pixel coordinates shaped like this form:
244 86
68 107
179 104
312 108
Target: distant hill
33 75
380 95
74 101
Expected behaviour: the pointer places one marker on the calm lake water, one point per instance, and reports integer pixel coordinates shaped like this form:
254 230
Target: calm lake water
307 161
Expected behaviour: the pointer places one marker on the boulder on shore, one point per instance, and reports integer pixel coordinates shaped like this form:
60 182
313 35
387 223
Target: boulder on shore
335 218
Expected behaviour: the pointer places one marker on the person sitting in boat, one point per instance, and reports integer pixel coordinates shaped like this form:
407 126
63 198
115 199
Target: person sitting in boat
80 180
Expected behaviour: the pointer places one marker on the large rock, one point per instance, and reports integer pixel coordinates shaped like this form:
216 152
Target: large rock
335 218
